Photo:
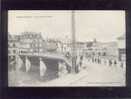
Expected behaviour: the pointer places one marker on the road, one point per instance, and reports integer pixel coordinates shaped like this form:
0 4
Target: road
91 75
101 75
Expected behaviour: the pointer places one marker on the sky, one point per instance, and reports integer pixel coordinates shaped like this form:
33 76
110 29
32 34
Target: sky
103 25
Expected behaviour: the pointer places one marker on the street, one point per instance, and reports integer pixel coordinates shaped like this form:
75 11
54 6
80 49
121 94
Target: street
90 75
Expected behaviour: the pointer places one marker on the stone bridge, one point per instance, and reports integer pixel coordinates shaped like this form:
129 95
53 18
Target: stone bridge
46 64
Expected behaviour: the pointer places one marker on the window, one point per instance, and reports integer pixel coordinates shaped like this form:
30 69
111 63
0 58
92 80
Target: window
13 45
14 51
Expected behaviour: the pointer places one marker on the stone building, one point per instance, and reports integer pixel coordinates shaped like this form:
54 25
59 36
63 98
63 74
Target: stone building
13 42
31 43
103 50
122 47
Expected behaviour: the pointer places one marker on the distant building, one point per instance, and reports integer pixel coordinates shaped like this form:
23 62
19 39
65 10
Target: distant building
13 42
51 45
80 46
108 49
122 47
101 49
31 42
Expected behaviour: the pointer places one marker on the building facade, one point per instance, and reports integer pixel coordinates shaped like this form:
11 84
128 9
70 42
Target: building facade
122 48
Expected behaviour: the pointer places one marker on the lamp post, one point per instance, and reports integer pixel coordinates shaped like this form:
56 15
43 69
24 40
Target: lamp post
73 42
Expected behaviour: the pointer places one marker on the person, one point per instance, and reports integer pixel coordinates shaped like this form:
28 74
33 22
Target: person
98 61
68 55
122 64
110 62
115 62
81 60
68 68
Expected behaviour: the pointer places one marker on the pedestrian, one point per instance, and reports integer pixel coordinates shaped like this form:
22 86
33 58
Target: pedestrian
81 61
105 61
100 61
115 62
121 64
110 62
68 68
95 60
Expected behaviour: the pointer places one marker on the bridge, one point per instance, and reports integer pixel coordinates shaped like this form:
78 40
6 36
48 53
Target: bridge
46 63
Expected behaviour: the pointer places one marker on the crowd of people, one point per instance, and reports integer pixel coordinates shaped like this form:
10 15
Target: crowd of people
81 60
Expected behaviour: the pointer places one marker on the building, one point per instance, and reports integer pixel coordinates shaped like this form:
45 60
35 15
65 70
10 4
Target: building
51 45
80 46
13 42
122 47
30 42
108 50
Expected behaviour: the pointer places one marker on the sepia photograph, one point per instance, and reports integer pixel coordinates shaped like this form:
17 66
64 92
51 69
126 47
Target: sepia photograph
66 48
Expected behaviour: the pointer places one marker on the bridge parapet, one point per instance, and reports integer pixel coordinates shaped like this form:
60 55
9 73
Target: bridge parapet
56 56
